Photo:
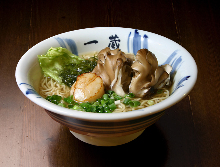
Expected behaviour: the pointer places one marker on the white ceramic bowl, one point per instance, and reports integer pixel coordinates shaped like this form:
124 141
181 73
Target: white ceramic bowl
108 129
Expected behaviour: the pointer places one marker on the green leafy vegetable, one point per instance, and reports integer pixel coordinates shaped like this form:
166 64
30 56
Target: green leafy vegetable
54 60
63 66
70 71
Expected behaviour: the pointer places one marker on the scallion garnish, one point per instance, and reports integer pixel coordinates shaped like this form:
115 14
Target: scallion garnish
106 104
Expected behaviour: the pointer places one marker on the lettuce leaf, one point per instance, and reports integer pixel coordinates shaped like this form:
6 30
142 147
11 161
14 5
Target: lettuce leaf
54 60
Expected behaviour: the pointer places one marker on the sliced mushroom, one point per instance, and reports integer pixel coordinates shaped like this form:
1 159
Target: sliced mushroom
164 78
114 69
147 74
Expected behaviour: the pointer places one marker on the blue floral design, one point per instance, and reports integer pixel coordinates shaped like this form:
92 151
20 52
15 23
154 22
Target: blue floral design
179 85
30 90
176 61
138 42
71 43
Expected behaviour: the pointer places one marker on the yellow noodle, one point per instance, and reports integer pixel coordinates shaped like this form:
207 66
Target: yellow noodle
120 108
49 87
157 98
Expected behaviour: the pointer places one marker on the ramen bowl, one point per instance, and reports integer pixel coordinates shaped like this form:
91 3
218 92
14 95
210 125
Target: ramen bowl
109 129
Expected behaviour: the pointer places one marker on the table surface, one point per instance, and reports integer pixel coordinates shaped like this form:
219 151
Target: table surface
187 135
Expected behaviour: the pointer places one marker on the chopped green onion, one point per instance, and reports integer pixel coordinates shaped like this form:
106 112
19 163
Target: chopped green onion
150 102
108 111
159 91
54 99
105 97
110 92
92 108
62 104
111 101
100 109
112 106
96 103
103 102
126 101
134 103
106 104
116 97
84 105
77 107
69 99
70 106
130 95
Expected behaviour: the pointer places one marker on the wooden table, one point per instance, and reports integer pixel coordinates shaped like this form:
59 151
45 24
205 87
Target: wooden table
187 135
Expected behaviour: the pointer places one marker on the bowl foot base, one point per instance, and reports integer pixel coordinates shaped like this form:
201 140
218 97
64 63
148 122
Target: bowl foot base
107 141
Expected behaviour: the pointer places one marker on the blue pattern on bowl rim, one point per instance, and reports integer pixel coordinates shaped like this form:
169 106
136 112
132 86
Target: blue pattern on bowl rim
70 42
136 42
31 90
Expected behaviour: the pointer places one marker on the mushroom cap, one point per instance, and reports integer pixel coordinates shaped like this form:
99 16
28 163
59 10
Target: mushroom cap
147 73
114 69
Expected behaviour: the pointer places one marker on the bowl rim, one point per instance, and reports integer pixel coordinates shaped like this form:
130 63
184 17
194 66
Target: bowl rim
107 116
